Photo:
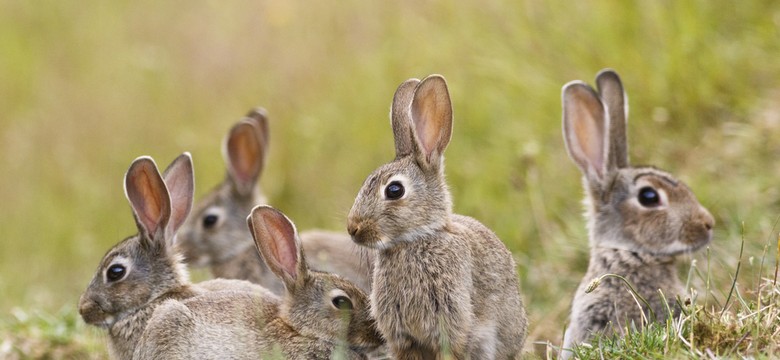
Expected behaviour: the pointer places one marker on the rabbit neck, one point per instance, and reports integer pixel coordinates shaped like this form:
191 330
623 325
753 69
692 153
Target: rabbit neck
647 272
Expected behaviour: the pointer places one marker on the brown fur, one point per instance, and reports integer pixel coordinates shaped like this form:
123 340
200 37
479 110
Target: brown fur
442 282
227 247
304 324
637 241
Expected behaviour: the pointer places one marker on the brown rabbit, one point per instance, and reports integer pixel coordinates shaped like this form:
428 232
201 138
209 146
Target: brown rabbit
639 218
216 234
144 270
320 315
442 282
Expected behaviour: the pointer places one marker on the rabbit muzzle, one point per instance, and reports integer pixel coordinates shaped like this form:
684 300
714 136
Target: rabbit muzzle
93 312
365 234
698 231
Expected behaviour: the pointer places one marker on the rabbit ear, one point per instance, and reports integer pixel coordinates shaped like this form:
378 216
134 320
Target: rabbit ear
260 117
431 112
244 151
611 90
401 120
278 243
149 198
180 181
585 126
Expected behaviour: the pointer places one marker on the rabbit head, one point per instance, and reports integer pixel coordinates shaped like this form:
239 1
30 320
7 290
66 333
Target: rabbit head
641 209
408 197
316 304
144 266
216 231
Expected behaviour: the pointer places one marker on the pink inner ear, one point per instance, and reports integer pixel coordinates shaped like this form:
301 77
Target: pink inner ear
432 116
282 243
590 136
147 196
244 153
285 253
180 182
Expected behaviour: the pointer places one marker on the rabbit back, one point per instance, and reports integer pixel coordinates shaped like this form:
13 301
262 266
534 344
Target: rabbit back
214 325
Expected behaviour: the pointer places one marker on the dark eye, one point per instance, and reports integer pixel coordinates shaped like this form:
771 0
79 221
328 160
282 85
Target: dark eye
209 221
342 303
648 197
394 191
115 272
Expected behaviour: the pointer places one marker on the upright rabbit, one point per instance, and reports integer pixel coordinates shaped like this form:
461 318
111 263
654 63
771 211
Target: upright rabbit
442 282
216 234
639 218
320 315
144 270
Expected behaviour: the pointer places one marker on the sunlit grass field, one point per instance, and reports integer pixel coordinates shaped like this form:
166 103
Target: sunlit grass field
86 87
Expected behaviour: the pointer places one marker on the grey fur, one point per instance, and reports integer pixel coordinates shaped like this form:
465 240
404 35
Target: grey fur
154 272
639 242
227 246
439 278
303 324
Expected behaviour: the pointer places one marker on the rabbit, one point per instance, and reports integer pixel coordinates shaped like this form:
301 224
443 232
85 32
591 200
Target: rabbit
145 269
216 235
319 314
442 282
639 218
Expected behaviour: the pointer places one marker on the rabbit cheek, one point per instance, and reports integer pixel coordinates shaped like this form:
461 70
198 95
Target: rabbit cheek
648 230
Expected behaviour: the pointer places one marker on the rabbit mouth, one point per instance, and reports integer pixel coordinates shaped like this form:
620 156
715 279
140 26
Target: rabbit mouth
366 236
94 315
370 240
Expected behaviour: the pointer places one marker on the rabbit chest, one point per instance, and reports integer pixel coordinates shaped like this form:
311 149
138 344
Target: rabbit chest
422 290
612 300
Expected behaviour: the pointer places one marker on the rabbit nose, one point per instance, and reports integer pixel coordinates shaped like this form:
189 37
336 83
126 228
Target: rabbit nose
353 229
706 219
708 225
86 306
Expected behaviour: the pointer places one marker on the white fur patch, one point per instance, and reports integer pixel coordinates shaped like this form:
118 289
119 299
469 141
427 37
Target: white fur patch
483 337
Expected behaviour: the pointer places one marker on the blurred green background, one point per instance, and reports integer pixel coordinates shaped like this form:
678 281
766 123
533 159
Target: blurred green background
87 86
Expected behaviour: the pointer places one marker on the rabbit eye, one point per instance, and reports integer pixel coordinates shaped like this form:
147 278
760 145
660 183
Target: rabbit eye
210 220
115 272
648 197
342 303
394 191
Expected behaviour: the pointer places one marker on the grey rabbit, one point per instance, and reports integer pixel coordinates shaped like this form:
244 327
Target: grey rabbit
320 314
639 218
442 282
144 270
216 234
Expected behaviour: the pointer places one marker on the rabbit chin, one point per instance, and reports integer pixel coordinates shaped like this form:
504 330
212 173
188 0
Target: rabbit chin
105 322
678 247
675 248
380 242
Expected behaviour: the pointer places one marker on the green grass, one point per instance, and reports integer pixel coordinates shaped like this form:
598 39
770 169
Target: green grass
86 87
